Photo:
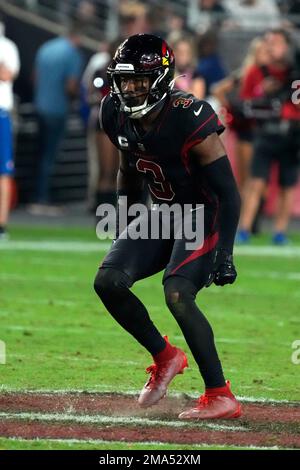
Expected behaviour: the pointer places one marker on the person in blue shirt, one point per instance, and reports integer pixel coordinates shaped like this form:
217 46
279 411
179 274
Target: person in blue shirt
210 66
58 67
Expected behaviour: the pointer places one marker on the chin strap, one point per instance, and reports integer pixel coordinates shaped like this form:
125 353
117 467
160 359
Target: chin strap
139 113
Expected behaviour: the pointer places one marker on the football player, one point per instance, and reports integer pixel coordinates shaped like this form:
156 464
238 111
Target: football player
169 141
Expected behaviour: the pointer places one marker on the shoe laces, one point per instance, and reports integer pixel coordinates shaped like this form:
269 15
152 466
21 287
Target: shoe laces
203 400
156 372
206 398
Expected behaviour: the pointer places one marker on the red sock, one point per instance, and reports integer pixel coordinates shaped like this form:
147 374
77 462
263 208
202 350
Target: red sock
166 354
219 391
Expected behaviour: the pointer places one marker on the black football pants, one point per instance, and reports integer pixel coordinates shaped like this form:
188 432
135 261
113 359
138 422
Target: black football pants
185 274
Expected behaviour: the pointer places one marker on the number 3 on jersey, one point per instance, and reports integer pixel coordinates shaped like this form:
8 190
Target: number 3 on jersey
160 188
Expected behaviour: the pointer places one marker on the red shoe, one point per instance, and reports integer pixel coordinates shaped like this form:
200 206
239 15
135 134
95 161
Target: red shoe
161 375
214 406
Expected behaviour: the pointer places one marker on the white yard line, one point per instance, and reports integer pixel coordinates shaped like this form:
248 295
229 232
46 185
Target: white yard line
75 359
283 276
82 330
103 388
48 245
100 246
280 252
123 420
40 278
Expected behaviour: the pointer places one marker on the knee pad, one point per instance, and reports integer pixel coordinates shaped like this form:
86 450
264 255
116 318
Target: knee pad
109 280
179 290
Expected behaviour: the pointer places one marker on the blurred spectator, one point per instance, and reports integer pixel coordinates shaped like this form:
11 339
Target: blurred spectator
277 138
161 20
227 92
205 14
102 155
9 69
134 18
210 66
86 11
292 9
176 27
58 68
185 66
253 15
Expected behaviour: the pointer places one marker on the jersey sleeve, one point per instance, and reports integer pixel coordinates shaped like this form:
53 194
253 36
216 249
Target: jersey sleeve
201 121
106 116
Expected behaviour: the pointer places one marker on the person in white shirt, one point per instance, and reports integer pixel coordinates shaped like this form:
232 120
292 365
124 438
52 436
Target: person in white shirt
253 15
9 69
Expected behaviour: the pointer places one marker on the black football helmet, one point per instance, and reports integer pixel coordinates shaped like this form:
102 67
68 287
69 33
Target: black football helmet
142 55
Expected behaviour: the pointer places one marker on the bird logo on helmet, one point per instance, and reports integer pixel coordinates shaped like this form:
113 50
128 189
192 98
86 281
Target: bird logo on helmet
143 56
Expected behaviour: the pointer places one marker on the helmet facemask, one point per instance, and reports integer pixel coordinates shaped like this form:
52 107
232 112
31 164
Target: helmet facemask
155 94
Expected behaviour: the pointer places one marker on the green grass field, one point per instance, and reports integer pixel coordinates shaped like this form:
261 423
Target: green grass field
59 337
49 444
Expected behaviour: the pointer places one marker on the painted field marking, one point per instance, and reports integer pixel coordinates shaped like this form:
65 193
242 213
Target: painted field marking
283 276
90 247
49 245
57 279
103 388
2 352
78 359
280 252
102 419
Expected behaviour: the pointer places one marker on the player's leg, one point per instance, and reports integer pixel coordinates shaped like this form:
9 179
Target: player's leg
186 274
128 261
180 297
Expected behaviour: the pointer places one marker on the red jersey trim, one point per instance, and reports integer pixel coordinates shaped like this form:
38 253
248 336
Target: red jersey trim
200 127
209 244
188 144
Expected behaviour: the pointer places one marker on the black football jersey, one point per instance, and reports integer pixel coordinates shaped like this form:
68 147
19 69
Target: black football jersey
162 154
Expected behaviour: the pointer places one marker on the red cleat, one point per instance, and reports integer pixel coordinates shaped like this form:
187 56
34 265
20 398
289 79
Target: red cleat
161 375
212 405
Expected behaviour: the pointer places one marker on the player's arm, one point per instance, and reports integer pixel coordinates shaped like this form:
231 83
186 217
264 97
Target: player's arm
130 184
210 155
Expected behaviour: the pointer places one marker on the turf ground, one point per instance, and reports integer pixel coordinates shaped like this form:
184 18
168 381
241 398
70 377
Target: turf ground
60 338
